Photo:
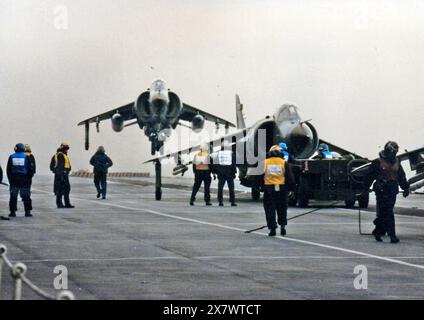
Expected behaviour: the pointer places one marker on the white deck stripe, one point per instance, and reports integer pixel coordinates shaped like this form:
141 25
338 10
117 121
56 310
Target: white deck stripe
316 244
202 258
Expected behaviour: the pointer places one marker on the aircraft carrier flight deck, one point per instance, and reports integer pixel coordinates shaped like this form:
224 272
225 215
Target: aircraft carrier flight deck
130 246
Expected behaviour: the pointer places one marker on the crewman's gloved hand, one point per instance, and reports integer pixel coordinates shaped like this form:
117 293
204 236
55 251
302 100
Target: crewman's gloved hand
406 193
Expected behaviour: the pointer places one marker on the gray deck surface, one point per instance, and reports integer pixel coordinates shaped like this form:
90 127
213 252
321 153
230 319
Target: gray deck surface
133 247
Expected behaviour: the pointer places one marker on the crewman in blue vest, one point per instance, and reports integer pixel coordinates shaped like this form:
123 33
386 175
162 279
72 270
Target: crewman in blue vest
18 173
324 152
284 152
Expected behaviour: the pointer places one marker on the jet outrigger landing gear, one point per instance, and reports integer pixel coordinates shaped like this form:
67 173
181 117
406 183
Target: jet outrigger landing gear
156 145
158 185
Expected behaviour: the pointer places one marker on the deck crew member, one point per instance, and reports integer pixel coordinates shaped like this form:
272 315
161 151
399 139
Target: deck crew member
388 175
1 182
202 173
32 164
61 166
277 178
324 152
101 163
285 152
225 164
18 173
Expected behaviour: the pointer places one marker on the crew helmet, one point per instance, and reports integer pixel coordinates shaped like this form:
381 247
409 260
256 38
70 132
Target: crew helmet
275 147
19 147
323 147
391 147
283 146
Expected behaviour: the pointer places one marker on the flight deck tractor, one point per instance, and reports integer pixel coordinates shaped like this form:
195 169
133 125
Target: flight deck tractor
328 180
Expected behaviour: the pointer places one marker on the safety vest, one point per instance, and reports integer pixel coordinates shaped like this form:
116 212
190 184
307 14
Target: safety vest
327 155
201 161
225 157
67 162
274 171
388 171
20 163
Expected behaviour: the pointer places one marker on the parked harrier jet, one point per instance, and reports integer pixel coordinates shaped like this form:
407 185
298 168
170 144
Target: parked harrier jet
157 111
285 126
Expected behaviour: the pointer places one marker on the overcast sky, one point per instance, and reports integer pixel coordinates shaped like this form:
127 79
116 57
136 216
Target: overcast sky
355 67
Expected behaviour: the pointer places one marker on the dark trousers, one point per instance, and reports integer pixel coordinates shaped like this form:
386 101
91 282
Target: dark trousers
199 177
25 195
100 183
385 220
230 182
62 189
275 202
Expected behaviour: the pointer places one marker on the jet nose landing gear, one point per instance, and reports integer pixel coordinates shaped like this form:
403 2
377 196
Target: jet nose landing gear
158 185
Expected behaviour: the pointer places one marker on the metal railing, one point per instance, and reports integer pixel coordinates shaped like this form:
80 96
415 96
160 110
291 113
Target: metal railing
18 273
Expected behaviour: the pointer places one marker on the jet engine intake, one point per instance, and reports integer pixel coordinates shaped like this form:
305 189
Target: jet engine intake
303 141
117 122
143 108
174 108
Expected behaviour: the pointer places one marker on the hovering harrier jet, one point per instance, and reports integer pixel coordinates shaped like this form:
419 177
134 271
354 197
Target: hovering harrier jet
157 111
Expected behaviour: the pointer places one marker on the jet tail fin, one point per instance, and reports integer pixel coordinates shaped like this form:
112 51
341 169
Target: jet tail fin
239 114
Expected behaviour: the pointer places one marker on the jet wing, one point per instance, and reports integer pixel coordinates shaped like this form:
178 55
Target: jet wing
415 157
340 150
126 111
416 162
237 135
189 112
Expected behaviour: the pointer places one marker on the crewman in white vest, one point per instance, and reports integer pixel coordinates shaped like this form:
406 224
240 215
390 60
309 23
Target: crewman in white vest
226 170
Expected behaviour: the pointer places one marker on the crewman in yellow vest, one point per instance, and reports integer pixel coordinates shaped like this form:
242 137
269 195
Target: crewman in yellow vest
32 164
61 166
202 173
275 190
